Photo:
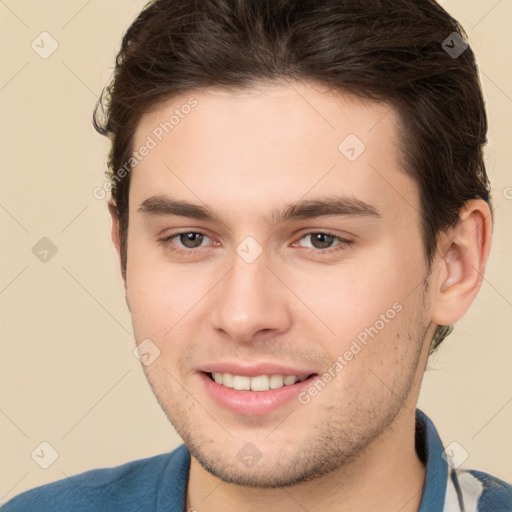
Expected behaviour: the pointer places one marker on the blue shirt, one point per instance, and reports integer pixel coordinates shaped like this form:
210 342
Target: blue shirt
158 484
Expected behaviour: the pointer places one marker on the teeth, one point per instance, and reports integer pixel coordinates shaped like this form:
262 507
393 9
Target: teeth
227 379
259 383
276 381
241 382
290 379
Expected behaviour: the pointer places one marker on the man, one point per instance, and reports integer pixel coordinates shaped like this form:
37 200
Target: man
302 212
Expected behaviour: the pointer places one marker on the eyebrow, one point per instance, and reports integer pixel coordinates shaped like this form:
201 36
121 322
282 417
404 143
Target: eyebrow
161 205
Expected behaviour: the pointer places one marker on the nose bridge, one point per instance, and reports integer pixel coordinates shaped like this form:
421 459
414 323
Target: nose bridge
250 298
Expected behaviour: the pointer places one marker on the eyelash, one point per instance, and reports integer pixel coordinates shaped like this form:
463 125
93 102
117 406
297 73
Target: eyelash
344 242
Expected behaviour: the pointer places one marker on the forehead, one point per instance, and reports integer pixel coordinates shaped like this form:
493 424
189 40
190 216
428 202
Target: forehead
273 144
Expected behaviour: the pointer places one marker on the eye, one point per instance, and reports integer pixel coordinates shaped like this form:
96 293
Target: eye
189 242
322 242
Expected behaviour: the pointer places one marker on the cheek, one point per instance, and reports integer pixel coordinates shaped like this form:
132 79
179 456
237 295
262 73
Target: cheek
375 366
350 297
369 322
164 297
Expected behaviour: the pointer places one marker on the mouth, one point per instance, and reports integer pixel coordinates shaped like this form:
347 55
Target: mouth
257 383
257 394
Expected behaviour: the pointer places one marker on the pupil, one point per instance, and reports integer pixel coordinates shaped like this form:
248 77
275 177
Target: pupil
323 244
194 239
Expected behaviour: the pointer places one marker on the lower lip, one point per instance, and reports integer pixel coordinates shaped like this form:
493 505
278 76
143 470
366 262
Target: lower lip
253 403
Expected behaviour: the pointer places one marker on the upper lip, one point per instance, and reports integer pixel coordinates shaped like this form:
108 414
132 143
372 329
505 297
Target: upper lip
253 370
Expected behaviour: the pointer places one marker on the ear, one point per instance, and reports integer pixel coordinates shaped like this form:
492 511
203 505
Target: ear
463 253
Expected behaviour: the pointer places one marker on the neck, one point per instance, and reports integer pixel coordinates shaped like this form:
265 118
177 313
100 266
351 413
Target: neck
386 476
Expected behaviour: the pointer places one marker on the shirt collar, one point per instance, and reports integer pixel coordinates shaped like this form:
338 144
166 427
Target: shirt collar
430 450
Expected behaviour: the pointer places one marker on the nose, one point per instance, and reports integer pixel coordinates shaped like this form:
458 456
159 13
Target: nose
251 301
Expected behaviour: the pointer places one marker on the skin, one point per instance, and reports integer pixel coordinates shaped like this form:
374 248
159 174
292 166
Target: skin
244 155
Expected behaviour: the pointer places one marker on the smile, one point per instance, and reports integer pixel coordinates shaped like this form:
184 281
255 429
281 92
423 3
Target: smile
257 383
256 394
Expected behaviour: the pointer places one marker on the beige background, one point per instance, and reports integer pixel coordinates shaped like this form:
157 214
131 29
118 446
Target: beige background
67 372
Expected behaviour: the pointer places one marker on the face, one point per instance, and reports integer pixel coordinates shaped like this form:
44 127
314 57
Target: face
277 275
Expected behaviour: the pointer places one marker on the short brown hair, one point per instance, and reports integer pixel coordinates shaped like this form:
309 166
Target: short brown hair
392 51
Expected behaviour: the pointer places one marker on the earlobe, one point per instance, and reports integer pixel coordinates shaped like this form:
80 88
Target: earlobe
463 254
